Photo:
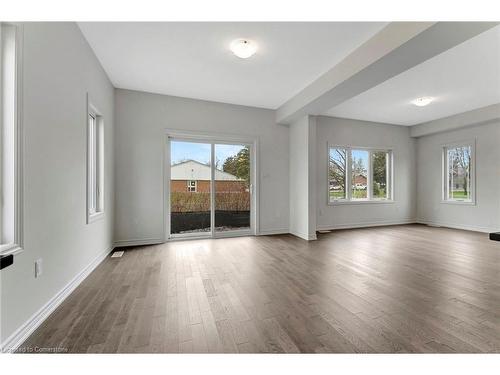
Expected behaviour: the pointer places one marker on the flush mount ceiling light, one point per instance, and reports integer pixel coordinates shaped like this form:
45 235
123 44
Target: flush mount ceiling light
423 101
243 48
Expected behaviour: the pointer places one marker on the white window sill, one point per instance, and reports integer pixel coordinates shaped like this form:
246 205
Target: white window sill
13 249
95 217
373 201
460 203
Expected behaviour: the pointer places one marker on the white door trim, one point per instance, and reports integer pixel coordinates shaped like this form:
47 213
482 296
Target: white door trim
213 138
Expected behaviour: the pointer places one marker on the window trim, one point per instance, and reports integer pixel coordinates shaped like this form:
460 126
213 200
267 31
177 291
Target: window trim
195 186
92 111
348 200
17 246
444 172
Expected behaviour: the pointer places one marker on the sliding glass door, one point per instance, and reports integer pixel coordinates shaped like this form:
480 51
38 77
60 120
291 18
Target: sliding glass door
232 187
190 188
210 188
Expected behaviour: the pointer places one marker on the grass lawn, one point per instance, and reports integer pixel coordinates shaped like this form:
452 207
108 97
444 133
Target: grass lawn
336 194
459 194
356 194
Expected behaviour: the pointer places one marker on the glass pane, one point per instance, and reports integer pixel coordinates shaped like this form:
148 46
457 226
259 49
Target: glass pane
459 162
232 187
190 175
380 163
92 165
359 179
337 173
7 133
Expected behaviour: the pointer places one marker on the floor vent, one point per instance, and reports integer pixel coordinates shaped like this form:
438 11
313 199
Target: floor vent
117 254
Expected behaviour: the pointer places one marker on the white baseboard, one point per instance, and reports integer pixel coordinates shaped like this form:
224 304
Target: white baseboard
473 228
23 332
155 241
268 232
139 242
366 224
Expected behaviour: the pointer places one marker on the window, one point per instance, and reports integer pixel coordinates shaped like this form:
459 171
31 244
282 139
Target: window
359 175
10 139
95 164
191 185
380 174
337 173
458 173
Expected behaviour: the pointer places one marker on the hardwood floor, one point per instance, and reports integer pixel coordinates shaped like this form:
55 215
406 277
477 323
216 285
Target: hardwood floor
395 289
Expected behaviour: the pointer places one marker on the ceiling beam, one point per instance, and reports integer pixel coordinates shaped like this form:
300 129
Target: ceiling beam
475 117
396 48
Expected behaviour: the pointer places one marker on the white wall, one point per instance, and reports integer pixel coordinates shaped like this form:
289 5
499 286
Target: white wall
141 120
346 132
485 215
302 178
59 70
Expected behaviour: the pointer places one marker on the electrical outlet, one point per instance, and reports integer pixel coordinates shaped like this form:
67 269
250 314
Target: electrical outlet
38 268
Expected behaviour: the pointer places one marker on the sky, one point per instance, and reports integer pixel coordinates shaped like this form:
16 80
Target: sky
180 151
356 155
361 154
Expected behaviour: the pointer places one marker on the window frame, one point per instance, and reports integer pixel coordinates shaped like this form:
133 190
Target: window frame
347 178
195 186
17 245
445 176
369 200
95 163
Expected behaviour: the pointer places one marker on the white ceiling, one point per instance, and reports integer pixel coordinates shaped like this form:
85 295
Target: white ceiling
193 59
463 78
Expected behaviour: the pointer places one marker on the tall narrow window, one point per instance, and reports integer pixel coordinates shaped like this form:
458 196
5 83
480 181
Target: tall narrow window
359 172
10 140
337 164
459 173
95 164
380 174
359 175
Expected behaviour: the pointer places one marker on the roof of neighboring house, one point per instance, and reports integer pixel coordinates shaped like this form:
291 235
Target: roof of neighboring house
193 170
359 179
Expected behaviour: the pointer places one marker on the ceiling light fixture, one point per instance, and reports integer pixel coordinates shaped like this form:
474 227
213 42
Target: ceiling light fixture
243 48
423 101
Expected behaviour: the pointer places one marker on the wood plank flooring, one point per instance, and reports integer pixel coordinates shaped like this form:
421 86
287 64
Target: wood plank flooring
399 289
